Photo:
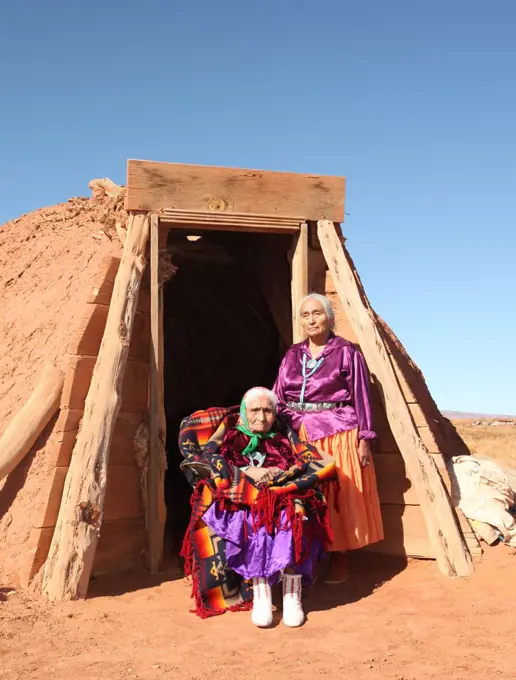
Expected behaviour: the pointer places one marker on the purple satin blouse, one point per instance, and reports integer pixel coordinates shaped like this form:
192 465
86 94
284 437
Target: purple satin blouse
342 377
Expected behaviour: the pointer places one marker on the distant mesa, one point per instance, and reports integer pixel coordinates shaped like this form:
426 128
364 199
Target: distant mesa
480 419
463 415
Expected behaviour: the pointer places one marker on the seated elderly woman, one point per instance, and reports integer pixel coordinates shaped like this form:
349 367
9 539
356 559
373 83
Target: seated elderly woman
258 516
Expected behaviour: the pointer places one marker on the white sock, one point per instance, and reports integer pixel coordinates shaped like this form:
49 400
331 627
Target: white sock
293 614
261 615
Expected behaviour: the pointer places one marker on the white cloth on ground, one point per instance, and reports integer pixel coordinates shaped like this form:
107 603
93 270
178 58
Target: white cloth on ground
484 494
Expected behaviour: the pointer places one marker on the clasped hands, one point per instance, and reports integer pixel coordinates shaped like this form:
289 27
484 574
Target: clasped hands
262 475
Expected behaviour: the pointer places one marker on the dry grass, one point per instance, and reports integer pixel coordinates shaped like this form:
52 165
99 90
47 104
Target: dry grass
496 442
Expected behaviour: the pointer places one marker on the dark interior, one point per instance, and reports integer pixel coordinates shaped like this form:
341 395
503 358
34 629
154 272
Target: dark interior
227 324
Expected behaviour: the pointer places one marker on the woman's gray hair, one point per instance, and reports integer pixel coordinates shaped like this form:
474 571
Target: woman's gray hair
325 303
257 392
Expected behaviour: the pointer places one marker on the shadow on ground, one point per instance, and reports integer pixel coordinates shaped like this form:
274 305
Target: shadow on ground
368 573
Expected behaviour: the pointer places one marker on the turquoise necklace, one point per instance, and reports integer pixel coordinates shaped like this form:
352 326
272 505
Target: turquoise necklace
312 365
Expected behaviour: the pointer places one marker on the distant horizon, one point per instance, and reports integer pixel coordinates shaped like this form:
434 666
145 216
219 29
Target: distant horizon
465 415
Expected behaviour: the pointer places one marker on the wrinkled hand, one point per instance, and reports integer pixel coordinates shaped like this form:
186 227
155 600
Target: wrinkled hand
257 474
364 452
274 472
262 475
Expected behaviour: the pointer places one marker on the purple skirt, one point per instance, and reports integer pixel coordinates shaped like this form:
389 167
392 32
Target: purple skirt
261 554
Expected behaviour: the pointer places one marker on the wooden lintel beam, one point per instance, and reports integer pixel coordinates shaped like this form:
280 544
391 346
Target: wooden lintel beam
158 186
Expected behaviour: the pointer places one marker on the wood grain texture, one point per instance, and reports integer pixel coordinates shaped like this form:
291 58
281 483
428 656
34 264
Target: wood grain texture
159 186
181 219
102 289
123 497
394 486
450 550
30 421
121 545
155 509
70 560
405 532
119 548
299 280
78 379
90 330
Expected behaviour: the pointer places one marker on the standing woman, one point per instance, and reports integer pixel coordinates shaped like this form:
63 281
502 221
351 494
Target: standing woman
323 390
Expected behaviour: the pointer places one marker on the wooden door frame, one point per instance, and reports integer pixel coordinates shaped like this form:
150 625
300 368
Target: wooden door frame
160 225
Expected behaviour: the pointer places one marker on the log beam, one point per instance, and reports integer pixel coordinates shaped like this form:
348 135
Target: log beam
299 280
451 552
70 560
156 509
26 426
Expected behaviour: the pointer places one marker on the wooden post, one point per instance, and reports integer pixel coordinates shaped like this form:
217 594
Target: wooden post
156 510
70 560
452 554
26 426
299 279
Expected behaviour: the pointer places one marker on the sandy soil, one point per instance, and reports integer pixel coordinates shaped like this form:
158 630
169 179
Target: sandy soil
388 622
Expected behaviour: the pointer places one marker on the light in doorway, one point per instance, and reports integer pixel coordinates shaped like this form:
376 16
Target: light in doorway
191 237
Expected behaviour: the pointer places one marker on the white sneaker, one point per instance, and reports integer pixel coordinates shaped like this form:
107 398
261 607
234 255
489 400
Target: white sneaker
293 614
261 615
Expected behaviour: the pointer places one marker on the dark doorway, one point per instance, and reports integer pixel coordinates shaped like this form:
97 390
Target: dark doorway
227 324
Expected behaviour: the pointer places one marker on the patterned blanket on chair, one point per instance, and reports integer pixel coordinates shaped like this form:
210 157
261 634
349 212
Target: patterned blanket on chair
216 589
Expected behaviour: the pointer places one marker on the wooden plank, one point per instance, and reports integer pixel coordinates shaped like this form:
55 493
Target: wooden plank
100 293
159 186
90 330
70 560
229 222
62 439
418 415
316 268
342 324
122 450
30 421
394 486
48 502
78 379
451 552
123 495
162 416
155 525
299 280
428 439
106 275
121 545
259 219
198 227
405 532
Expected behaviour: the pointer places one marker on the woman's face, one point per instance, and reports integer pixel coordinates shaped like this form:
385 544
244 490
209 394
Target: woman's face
314 319
260 414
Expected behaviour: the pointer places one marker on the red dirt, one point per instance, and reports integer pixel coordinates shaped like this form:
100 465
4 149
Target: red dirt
47 260
412 624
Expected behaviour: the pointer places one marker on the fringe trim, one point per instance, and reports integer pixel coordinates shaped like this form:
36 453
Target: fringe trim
265 512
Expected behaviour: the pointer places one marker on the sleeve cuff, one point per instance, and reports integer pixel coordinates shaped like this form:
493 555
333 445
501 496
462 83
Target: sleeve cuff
366 434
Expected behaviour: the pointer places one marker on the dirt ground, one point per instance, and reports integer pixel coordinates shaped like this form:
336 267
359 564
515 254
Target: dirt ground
391 620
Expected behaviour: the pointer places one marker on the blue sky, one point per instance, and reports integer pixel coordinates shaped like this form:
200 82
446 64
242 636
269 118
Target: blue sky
415 102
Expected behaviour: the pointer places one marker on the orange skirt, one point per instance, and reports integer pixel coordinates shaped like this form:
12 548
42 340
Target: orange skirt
355 518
